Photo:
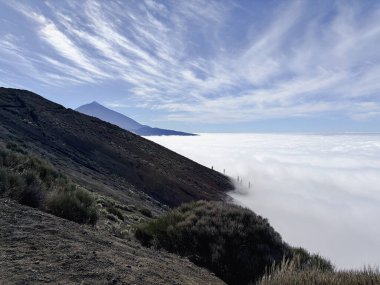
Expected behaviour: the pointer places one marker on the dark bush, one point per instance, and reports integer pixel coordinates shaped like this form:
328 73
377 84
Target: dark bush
14 147
31 194
24 178
146 212
304 260
73 203
4 180
233 242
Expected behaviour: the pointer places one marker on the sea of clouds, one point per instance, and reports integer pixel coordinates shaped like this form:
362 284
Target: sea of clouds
321 192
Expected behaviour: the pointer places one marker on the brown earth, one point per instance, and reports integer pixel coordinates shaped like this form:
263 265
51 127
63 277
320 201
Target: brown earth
38 248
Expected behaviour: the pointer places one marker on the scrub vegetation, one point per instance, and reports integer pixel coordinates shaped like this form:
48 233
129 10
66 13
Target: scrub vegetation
231 241
241 247
33 182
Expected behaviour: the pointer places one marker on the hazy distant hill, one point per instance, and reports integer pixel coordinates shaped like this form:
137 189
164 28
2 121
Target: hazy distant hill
99 111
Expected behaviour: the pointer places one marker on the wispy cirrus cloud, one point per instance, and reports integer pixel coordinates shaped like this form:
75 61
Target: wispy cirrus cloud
199 60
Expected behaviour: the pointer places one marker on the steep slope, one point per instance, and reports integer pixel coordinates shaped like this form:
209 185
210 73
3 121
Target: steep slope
96 110
38 248
108 159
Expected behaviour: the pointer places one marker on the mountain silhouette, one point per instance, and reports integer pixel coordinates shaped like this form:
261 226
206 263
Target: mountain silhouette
99 111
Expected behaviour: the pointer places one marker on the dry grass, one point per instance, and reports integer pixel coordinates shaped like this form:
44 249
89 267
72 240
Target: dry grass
289 273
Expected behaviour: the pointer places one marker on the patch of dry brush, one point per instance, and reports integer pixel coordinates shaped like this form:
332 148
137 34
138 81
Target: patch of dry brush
33 182
290 273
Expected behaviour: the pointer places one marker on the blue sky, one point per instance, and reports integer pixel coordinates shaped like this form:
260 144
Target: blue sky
202 66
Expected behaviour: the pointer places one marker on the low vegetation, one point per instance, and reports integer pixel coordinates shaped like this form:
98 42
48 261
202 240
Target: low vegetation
146 212
33 182
241 247
233 242
73 203
303 260
290 273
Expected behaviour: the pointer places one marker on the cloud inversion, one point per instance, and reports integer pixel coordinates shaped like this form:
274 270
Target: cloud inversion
319 191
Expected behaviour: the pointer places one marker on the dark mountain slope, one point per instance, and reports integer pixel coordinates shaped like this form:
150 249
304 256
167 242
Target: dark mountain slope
96 110
107 158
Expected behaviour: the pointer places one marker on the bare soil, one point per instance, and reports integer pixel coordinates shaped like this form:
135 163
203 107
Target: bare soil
38 248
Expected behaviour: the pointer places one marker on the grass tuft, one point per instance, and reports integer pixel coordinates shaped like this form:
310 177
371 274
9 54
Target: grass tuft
115 212
289 273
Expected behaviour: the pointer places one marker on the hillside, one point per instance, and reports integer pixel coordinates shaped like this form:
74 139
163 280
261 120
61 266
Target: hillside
99 111
38 248
65 163
104 157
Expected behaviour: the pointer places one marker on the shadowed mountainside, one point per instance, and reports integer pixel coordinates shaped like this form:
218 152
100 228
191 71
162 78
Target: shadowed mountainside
99 111
100 155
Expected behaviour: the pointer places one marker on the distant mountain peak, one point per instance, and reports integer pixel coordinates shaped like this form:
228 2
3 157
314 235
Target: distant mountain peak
93 103
101 112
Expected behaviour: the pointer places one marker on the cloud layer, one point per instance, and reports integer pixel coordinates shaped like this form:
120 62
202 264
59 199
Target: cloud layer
222 62
320 192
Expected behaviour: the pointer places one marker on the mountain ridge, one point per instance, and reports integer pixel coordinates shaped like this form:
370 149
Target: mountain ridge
101 112
104 156
97 110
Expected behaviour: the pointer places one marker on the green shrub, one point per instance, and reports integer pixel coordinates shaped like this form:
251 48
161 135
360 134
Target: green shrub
4 180
30 181
14 147
146 212
9 182
73 203
116 212
233 242
304 260
32 193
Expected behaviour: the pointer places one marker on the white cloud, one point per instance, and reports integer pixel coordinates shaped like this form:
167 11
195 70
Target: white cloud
319 192
64 46
179 58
